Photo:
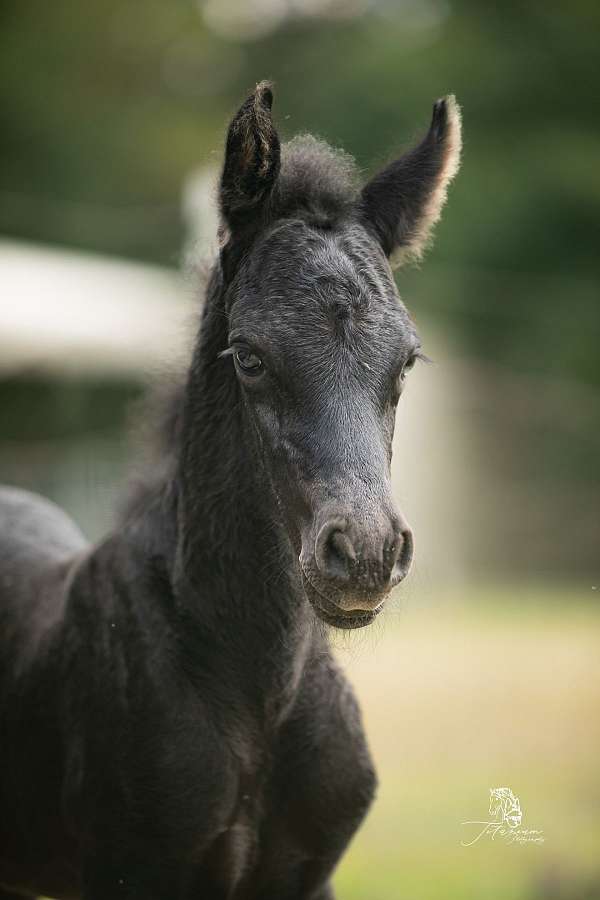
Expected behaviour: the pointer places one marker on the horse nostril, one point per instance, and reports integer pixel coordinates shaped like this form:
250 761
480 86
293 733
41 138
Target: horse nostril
403 553
334 551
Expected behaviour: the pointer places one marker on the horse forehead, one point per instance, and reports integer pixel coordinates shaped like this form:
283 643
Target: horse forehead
329 285
336 269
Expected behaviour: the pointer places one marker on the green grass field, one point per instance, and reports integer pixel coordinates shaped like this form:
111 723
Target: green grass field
459 697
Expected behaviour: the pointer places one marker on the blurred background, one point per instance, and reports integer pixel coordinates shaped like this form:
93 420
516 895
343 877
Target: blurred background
486 672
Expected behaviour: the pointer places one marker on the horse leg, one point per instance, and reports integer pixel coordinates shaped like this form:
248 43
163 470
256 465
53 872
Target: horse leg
322 788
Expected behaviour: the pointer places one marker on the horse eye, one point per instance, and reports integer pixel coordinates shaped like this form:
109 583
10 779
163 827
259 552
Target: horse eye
249 362
408 365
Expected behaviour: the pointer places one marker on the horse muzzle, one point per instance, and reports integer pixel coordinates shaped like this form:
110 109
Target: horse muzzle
348 571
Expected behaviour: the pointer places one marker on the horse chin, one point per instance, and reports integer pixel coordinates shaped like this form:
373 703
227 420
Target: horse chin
332 615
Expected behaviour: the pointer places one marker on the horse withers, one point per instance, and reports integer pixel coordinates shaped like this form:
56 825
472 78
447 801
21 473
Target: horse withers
172 722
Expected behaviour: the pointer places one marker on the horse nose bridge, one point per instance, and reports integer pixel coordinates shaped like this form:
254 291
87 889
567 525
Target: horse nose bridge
361 497
347 437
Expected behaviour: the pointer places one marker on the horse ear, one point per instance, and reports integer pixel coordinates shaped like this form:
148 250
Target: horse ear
251 167
404 201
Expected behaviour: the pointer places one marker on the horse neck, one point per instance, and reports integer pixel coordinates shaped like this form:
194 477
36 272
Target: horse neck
235 573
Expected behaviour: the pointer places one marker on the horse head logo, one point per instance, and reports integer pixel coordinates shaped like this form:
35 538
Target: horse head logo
505 806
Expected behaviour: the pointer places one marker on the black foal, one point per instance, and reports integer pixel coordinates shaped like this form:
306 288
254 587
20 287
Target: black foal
172 722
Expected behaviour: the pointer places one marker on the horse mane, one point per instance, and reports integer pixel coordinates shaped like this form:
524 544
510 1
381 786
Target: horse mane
315 177
155 424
